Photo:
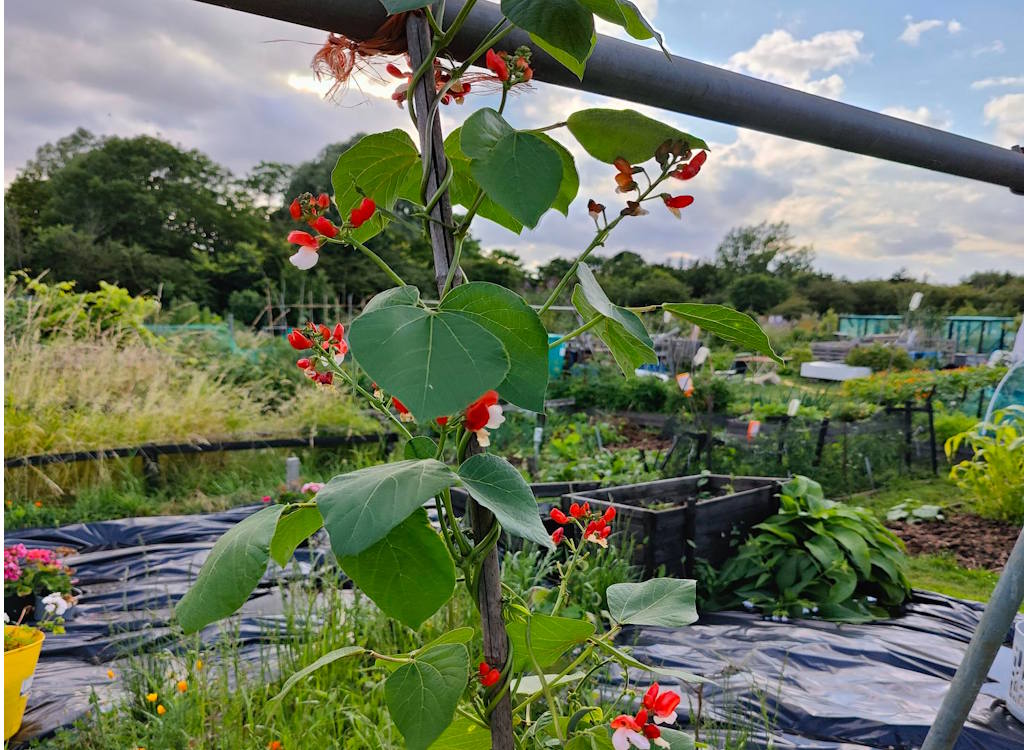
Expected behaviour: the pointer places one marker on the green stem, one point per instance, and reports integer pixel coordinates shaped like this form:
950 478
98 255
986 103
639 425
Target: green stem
460 538
561 124
563 586
474 207
457 22
573 334
599 238
381 263
374 402
472 717
453 267
645 308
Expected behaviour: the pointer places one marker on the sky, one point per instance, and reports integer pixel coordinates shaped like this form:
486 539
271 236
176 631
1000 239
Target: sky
239 88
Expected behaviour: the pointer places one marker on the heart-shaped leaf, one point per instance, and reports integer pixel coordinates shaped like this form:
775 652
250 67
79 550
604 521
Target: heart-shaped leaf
663 602
550 638
422 695
495 484
570 184
726 323
361 507
384 166
608 134
563 25
517 169
625 14
507 315
436 362
400 295
408 574
235 565
464 188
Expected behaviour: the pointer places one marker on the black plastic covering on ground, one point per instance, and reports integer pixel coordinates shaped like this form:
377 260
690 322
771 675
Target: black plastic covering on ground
822 686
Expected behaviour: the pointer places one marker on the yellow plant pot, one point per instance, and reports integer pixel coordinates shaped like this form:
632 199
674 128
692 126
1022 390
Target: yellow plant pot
19 665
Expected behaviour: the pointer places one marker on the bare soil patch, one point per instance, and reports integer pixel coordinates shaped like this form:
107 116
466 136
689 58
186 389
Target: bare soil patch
975 542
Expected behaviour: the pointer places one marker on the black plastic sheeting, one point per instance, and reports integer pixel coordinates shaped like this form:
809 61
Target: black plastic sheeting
822 686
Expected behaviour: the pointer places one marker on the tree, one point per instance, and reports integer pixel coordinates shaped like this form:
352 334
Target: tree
758 292
762 249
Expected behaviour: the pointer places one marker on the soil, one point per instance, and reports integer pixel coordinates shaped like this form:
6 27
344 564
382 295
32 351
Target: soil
638 436
975 542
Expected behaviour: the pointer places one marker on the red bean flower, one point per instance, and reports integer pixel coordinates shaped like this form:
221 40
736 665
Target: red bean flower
497 65
624 179
489 675
362 213
689 171
661 703
558 536
295 209
629 732
307 255
298 340
324 226
558 516
676 203
482 415
403 410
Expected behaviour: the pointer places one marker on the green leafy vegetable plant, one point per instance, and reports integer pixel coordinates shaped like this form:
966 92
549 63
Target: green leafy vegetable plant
994 476
815 558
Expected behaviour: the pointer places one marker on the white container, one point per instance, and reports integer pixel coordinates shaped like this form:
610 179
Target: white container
1015 696
832 371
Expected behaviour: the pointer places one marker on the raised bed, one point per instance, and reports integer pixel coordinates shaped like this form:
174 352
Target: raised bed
673 522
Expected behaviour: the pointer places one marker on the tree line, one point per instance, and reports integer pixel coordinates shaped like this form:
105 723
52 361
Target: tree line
155 218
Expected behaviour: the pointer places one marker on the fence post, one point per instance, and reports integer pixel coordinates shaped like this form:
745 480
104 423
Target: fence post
907 435
931 434
822 433
150 467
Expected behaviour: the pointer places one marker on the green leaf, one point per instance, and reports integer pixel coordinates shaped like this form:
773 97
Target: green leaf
323 661
463 734
507 315
400 295
570 183
576 67
437 363
521 172
422 695
408 574
361 507
625 14
550 637
234 567
595 738
664 602
482 132
856 546
385 166
562 24
530 683
608 134
464 188
292 529
824 550
420 447
726 323
495 484
621 330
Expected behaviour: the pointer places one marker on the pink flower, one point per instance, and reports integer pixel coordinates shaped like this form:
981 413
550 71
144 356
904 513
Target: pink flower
265 499
313 487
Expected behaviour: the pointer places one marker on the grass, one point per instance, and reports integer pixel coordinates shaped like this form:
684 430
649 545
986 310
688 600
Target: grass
189 484
931 491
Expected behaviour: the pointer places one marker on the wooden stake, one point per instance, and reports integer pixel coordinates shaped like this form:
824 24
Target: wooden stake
443 243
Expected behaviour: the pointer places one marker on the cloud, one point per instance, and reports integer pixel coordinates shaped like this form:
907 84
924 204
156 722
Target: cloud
998 81
1006 113
779 57
920 115
994 48
914 29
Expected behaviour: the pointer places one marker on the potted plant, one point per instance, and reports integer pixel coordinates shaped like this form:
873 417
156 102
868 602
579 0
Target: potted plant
36 580
674 521
21 652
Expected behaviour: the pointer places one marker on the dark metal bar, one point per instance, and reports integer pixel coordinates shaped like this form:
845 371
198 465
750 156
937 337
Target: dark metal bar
638 74
150 451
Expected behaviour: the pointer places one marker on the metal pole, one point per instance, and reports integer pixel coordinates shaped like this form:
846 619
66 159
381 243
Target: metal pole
981 652
638 74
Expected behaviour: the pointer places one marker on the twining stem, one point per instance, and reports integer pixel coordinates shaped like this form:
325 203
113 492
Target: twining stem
573 334
460 538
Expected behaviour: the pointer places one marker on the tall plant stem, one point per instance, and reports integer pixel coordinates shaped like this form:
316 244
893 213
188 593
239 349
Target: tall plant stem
442 241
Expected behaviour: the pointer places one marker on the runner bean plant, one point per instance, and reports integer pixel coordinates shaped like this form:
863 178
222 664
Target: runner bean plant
440 372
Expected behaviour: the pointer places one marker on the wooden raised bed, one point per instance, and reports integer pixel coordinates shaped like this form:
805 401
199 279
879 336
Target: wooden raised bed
675 521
